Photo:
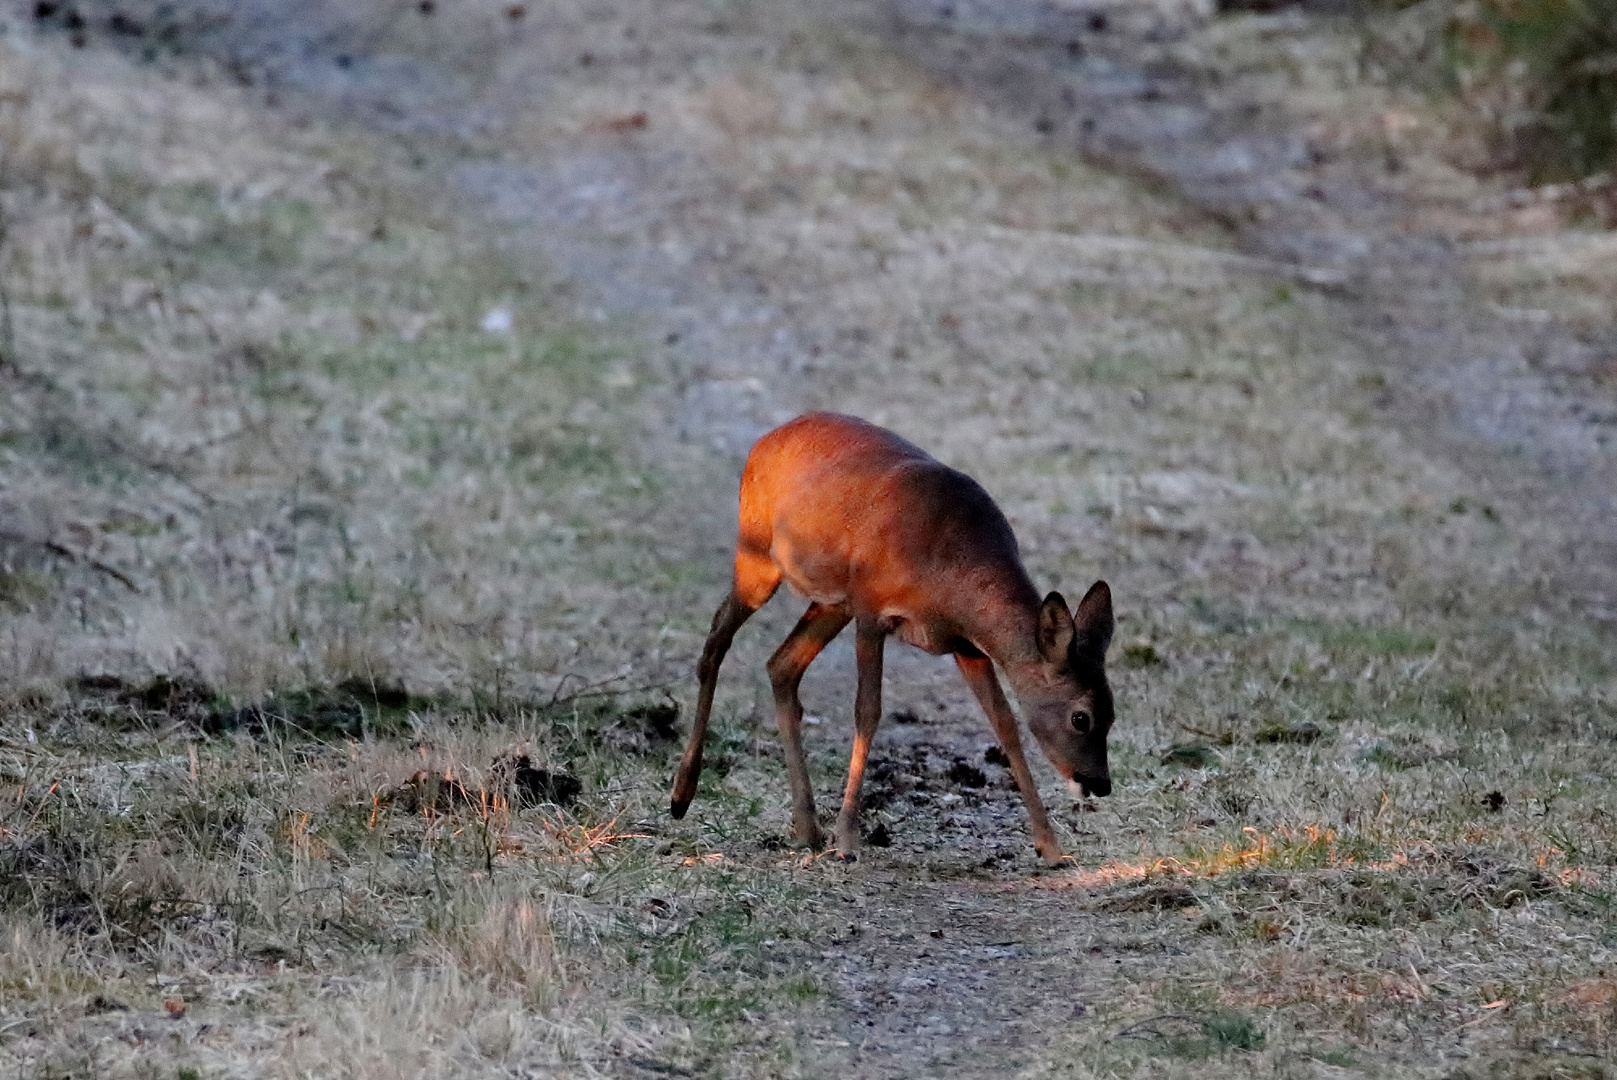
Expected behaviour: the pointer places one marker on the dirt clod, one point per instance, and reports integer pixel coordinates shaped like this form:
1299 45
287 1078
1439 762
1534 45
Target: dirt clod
538 786
967 775
1304 731
644 728
371 692
424 791
1166 897
531 785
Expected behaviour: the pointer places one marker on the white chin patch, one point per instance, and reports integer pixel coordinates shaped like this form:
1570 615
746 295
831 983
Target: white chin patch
1076 788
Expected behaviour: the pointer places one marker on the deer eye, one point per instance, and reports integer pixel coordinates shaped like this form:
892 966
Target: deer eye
1081 722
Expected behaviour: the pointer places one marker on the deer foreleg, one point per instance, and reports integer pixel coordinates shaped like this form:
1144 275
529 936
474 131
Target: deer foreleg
813 632
979 673
867 715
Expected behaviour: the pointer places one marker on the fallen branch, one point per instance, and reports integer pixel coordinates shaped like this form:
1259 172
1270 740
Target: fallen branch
70 555
1148 1028
599 689
1222 738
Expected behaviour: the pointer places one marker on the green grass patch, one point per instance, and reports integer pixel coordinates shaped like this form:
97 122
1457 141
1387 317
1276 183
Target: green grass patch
1385 641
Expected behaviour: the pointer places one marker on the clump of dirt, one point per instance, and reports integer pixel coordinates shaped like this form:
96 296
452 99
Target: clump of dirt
643 729
347 709
885 780
967 775
440 793
510 776
1304 731
532 785
351 709
180 697
1168 896
1498 882
889 780
370 692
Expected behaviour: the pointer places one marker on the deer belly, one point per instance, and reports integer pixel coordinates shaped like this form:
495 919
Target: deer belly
821 579
921 633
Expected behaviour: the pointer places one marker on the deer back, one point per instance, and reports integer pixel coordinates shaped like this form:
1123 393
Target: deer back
853 515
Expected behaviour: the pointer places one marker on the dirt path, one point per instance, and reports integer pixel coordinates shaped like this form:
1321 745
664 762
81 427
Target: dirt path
895 210
586 150
1416 250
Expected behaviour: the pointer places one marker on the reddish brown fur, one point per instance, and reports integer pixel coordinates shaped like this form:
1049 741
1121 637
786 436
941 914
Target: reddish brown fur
873 530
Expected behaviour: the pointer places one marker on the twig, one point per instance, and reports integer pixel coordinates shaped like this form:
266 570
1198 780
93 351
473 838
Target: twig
596 689
555 695
8 332
1098 244
71 556
1147 1026
1214 736
1547 193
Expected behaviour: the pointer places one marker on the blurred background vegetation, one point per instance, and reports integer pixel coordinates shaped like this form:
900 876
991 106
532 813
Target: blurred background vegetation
1541 73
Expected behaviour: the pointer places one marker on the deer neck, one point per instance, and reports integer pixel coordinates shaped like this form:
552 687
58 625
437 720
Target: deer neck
1004 624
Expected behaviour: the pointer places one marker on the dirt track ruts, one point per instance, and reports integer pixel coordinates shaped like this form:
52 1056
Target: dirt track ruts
642 229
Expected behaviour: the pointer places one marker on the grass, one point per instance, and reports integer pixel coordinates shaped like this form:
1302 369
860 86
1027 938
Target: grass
250 366
389 565
1559 56
280 862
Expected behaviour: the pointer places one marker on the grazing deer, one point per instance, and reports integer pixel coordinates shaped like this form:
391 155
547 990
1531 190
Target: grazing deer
874 531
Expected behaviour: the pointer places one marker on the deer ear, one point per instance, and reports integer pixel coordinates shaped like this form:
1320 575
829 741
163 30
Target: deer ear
1055 629
1095 622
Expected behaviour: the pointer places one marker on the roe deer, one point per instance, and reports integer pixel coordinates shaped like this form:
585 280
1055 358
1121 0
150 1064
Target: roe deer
874 531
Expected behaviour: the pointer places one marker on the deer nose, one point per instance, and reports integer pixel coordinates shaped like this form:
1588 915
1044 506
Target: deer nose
1099 786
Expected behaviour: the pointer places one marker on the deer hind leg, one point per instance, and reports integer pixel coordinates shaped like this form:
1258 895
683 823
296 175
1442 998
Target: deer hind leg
735 610
867 715
813 632
979 673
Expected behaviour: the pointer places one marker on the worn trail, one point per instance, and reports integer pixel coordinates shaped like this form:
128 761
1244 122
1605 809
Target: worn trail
778 201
